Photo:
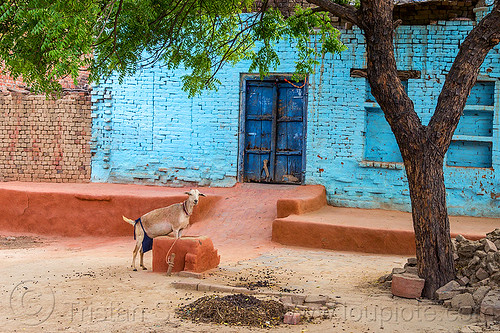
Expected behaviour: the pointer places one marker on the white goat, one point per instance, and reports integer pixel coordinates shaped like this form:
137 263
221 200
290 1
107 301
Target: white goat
161 222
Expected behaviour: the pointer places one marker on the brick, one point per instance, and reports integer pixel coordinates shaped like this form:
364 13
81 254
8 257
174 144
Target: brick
190 274
448 291
185 285
462 300
292 318
193 254
407 286
318 299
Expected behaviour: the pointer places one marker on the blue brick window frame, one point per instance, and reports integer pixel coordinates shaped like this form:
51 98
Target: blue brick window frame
477 135
380 147
475 143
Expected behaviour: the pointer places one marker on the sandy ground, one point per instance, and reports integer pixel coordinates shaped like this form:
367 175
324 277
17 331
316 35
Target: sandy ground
86 285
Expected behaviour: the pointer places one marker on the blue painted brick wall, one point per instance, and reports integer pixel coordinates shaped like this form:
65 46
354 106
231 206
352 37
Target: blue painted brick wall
146 129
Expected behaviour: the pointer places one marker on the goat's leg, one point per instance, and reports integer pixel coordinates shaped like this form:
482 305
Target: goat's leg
136 249
141 255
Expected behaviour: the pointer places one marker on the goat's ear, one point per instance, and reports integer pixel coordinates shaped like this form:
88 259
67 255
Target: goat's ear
203 195
187 193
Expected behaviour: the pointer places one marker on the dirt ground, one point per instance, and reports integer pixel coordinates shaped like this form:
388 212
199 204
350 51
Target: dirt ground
86 285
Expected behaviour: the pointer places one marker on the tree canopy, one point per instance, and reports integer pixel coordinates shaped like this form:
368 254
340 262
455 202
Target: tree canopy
46 40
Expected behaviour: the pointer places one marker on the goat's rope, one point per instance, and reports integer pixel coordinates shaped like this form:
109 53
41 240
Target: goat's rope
168 253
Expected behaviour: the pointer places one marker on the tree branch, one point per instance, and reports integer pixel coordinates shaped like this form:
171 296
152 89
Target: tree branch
462 77
346 12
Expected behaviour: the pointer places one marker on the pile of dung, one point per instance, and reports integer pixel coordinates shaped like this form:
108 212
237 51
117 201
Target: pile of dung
239 309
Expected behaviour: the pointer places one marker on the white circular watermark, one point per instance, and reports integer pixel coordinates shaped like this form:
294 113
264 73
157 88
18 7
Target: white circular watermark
32 302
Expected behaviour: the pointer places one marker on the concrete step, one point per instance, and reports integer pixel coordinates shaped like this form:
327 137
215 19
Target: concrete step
365 230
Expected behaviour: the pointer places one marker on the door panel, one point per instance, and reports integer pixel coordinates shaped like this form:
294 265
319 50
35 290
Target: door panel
274 132
258 129
290 136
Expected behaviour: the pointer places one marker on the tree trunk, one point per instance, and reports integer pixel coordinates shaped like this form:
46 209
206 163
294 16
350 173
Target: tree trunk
430 219
422 147
423 160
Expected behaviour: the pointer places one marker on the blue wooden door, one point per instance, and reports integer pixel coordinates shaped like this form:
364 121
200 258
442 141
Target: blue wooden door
274 132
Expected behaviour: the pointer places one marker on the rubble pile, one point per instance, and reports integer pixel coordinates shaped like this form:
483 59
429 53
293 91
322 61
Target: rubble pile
478 262
477 286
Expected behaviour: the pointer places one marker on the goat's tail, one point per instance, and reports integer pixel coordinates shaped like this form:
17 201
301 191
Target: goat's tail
128 220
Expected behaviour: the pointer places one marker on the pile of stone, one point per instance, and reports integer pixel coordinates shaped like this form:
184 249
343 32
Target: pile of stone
404 282
307 302
478 262
477 287
307 308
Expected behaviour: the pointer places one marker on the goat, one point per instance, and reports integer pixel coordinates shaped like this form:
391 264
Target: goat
161 222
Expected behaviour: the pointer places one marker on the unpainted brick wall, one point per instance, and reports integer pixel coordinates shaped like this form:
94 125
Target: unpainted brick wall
7 82
44 139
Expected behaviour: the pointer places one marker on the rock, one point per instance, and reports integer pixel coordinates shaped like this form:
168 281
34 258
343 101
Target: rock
480 293
286 299
484 282
471 329
302 307
493 234
185 285
491 304
384 278
460 238
407 286
475 260
463 281
467 248
466 272
448 291
482 274
465 310
495 278
316 299
492 267
298 299
481 254
398 270
497 244
412 261
447 303
462 300
489 246
331 305
190 274
222 289
411 270
313 306
203 287
292 318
